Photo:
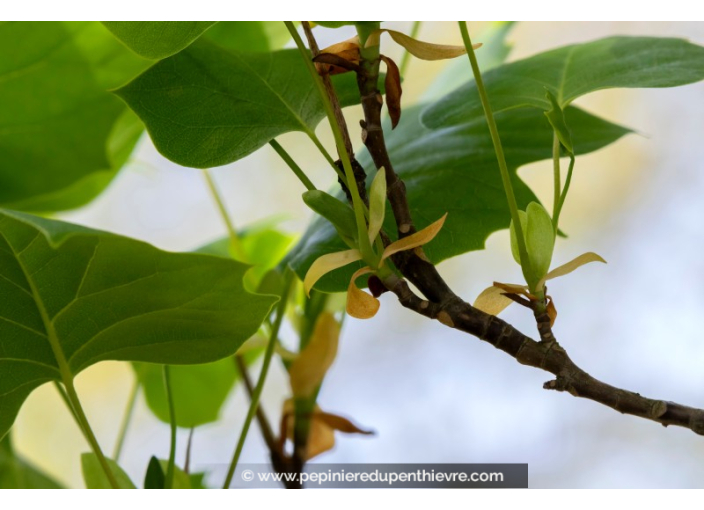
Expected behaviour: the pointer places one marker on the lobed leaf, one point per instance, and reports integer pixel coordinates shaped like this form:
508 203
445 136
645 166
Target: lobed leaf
74 296
157 39
63 147
208 106
573 71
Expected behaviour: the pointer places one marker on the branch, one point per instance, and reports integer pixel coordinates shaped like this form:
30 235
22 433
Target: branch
445 306
549 356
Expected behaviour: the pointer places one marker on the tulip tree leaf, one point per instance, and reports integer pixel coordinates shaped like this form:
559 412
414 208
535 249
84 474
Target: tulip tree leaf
199 391
573 71
207 106
73 296
95 478
453 170
62 147
157 39
17 473
249 35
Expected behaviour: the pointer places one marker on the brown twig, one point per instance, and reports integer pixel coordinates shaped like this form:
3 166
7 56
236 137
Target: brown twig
359 173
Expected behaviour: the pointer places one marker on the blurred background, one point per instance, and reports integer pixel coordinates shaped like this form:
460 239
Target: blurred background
433 394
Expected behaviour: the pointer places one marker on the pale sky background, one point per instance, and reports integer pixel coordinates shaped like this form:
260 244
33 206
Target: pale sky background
434 394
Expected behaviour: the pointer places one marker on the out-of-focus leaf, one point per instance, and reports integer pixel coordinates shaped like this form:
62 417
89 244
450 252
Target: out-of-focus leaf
494 52
17 473
321 437
63 137
308 370
157 39
199 391
95 478
252 36
73 296
207 106
573 71
154 477
454 170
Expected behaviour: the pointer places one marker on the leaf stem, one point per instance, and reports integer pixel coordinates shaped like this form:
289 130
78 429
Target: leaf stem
268 354
557 181
80 415
316 141
292 165
565 189
235 243
406 59
498 149
357 203
126 419
170 468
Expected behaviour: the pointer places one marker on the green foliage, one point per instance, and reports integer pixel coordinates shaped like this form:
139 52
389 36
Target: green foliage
454 170
17 473
63 146
70 301
207 106
94 476
157 39
573 71
155 477
211 93
539 236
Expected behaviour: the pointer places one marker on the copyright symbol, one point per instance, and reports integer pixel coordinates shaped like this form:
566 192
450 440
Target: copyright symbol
247 475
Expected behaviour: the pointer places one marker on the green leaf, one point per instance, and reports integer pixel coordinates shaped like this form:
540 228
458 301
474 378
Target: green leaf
17 473
453 170
94 476
494 52
263 245
154 477
337 212
157 39
556 118
63 137
377 204
199 391
181 479
514 237
252 36
540 239
573 71
208 106
197 480
73 296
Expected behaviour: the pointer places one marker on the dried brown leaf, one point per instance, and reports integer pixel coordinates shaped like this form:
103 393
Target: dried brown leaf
393 90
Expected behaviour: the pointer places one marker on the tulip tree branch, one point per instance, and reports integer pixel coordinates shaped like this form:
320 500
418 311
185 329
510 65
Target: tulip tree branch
445 306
